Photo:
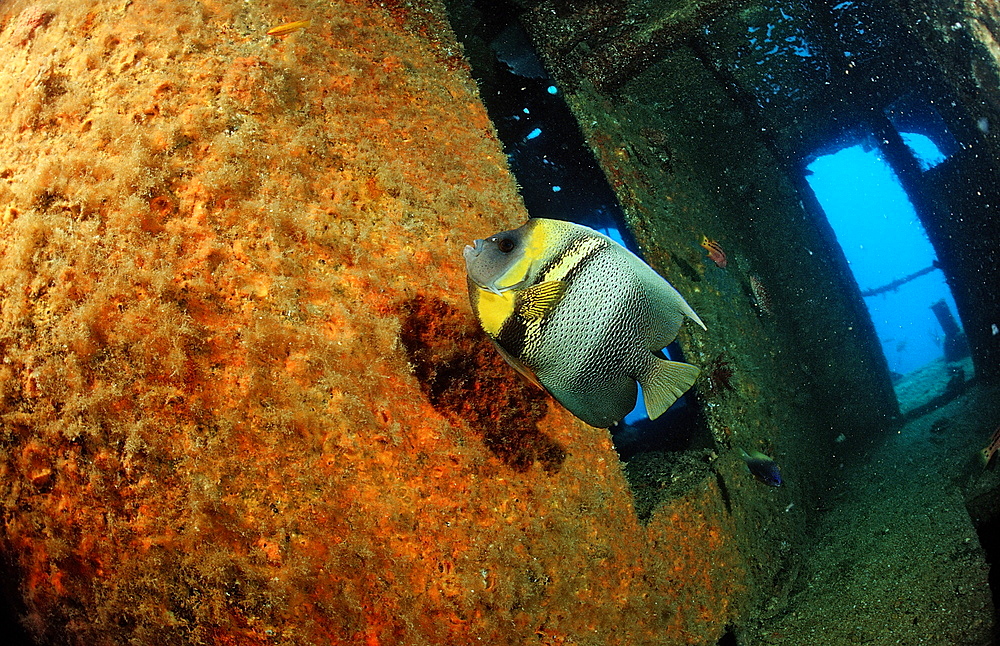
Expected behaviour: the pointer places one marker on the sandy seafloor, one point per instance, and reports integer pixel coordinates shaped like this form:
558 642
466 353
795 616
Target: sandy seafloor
897 559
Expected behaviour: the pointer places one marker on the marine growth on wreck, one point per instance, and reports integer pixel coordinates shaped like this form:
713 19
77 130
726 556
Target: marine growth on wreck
246 399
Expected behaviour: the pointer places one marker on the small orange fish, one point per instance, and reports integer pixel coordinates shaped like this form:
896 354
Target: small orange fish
288 27
991 448
715 251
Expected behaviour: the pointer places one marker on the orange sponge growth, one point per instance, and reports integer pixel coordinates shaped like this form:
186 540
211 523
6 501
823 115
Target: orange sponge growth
242 398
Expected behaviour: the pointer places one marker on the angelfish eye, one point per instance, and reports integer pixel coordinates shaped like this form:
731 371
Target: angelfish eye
505 245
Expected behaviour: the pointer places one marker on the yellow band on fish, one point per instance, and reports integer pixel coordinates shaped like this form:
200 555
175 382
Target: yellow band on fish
494 309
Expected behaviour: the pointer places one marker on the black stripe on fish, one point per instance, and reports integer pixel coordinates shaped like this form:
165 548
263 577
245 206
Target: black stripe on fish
513 335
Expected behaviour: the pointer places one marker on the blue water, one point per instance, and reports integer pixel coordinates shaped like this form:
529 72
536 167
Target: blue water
883 240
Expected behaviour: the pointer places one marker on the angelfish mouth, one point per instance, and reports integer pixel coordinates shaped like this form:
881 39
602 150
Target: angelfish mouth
471 253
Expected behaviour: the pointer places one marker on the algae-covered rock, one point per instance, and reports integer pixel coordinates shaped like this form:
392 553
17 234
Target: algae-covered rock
242 396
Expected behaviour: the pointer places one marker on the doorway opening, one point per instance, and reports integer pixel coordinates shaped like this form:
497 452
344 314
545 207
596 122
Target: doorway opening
895 266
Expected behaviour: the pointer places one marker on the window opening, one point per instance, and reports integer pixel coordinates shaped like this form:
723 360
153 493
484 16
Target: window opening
923 130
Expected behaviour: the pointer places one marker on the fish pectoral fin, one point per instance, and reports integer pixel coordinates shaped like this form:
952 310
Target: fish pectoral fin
518 365
538 300
665 383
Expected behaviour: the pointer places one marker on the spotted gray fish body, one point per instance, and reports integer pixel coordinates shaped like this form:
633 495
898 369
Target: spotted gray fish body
578 313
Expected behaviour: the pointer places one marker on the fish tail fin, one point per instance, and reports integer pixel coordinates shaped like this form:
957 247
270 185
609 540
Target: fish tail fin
665 382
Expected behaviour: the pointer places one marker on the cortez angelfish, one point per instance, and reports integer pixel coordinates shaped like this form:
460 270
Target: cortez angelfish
580 315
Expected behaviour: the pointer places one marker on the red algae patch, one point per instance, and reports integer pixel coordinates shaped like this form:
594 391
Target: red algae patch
464 378
242 398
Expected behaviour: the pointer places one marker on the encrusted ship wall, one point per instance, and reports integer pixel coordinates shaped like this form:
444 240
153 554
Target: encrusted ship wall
242 398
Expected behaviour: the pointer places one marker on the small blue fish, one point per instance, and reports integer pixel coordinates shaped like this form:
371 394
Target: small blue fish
762 467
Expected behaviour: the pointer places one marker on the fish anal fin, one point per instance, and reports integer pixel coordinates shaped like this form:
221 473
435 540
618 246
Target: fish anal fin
664 383
538 300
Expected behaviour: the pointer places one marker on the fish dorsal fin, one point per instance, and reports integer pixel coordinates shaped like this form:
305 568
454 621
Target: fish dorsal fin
665 382
668 306
538 300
